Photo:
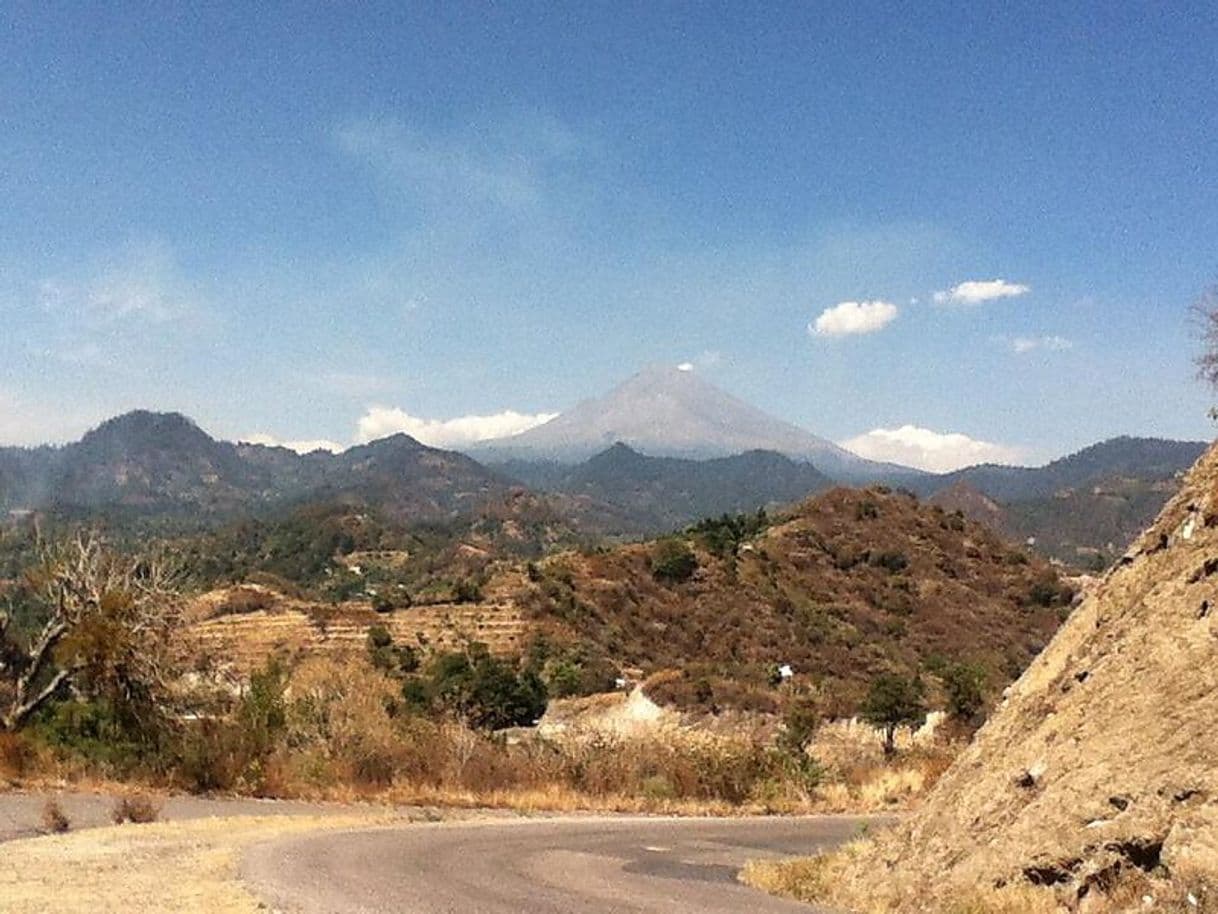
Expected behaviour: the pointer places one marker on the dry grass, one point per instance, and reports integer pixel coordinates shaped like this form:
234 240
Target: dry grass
879 786
165 867
16 756
830 880
807 879
343 737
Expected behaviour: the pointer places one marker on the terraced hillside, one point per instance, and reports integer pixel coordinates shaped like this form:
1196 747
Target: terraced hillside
238 629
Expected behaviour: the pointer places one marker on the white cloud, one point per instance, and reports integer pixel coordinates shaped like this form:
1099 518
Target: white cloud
854 317
382 421
924 449
140 284
685 366
507 162
976 291
1024 344
300 447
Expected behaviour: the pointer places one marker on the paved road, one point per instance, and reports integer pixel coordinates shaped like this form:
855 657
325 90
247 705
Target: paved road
556 866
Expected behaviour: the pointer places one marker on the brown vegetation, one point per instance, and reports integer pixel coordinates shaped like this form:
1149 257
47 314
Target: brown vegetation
54 819
853 584
139 809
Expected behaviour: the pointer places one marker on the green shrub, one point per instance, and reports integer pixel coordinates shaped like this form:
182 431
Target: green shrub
395 659
467 590
487 692
799 725
672 561
723 536
965 685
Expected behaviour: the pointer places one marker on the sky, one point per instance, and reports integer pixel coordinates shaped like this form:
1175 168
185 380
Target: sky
935 232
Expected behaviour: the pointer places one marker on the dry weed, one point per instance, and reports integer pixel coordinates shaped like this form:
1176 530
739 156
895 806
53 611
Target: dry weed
54 819
138 809
15 755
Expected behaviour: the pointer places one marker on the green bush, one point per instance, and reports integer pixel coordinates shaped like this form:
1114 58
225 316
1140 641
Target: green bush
723 536
395 659
965 685
672 561
487 692
799 725
97 732
467 591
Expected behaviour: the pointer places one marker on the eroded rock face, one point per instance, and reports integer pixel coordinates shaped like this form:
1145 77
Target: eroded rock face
1100 769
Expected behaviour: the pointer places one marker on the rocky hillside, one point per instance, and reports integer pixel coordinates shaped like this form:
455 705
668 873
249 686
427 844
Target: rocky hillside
1095 786
850 584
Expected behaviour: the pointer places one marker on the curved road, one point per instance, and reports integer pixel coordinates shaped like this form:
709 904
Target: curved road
540 866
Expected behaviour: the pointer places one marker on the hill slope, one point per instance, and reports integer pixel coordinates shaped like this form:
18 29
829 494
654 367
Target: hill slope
851 584
1116 458
1096 780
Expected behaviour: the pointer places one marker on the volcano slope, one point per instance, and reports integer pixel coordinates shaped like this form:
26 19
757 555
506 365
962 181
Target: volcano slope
1095 785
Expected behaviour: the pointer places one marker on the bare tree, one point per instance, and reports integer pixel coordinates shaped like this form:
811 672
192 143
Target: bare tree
106 626
1205 312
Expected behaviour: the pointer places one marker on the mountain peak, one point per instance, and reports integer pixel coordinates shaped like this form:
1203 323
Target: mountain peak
667 411
142 428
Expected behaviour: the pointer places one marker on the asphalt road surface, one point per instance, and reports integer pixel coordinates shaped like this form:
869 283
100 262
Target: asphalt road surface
554 866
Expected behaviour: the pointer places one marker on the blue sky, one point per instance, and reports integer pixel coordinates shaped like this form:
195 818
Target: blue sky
289 219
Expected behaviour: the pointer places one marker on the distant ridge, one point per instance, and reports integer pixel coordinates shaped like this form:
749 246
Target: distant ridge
663 493
1125 456
149 464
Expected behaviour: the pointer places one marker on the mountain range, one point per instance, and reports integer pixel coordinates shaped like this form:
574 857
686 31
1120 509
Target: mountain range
162 465
686 451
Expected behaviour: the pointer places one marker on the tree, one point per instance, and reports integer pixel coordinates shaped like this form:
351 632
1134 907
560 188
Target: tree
894 701
965 684
102 629
1205 311
799 725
